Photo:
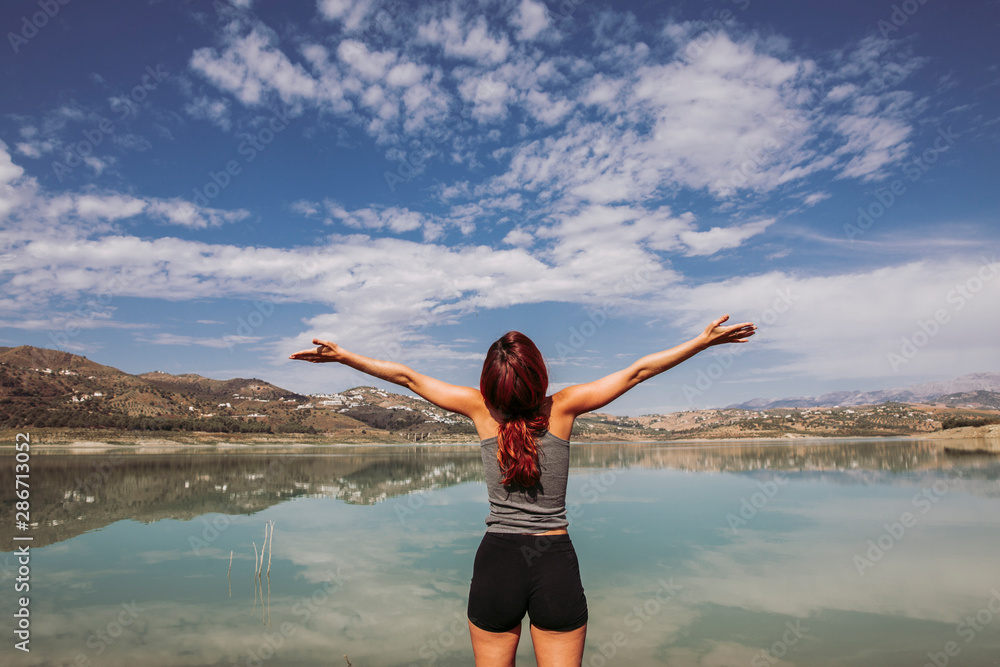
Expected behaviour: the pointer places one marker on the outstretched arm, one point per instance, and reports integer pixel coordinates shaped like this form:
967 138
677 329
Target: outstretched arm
581 398
463 400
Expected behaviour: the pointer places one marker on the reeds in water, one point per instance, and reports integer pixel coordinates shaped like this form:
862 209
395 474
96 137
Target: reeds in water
258 562
258 567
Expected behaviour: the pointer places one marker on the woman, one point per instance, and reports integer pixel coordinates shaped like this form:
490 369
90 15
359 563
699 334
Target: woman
526 562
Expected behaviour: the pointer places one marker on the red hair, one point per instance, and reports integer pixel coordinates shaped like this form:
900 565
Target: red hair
514 382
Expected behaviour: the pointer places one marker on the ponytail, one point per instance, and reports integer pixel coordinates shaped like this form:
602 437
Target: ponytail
517 449
514 382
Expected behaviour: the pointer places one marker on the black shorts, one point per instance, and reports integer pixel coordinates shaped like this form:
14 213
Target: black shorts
537 574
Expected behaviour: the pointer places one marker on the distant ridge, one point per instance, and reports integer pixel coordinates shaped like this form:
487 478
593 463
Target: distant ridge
967 384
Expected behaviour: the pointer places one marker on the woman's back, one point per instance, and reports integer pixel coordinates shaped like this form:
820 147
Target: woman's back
535 509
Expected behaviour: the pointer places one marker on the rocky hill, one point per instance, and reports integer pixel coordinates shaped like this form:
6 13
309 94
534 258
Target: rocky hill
40 388
48 388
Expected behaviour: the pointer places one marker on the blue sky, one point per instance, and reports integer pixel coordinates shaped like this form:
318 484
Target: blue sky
203 187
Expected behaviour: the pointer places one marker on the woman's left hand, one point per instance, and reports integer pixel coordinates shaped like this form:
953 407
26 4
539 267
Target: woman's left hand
716 334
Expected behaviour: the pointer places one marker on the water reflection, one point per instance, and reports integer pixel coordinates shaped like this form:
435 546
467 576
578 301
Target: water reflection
151 560
81 493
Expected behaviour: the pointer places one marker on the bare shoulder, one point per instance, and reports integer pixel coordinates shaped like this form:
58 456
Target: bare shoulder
485 419
566 401
561 418
475 404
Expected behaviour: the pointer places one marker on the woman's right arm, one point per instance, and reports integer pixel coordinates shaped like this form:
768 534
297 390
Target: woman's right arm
463 400
578 399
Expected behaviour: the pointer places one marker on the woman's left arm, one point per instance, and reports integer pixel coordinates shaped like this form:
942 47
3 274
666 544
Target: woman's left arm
454 398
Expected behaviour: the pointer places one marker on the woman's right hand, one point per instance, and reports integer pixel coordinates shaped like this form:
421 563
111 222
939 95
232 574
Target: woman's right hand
325 351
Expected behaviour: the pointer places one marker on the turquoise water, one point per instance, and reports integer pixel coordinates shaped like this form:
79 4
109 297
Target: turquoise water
834 553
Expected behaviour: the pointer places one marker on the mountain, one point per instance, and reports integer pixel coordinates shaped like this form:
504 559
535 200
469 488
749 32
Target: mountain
39 358
40 387
920 393
981 400
50 388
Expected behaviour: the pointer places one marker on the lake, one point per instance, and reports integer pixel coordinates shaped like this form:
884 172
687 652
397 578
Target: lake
833 552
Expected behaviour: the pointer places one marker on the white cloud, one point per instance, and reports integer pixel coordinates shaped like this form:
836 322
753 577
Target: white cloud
97 164
252 64
519 237
547 110
873 143
405 74
215 111
875 65
847 325
603 91
8 170
109 207
464 39
727 120
29 149
530 19
351 12
815 198
488 95
372 65
590 161
186 214
306 208
630 236
841 92
721 238
395 219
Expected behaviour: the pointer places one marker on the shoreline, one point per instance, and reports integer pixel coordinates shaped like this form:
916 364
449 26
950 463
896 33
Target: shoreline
968 439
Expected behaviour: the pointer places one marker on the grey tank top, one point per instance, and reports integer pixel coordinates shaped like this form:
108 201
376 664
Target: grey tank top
536 509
